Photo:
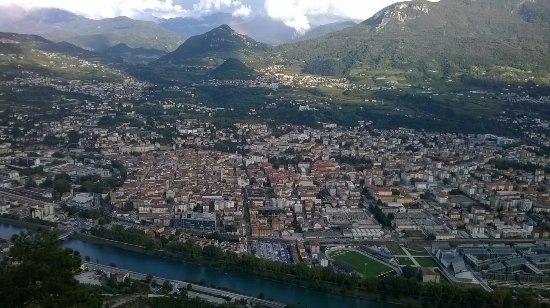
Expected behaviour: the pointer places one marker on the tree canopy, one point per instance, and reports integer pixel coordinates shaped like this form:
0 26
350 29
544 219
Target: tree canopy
40 272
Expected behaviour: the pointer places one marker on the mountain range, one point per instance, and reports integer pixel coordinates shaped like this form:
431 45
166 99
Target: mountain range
22 54
98 35
261 29
164 35
440 36
441 39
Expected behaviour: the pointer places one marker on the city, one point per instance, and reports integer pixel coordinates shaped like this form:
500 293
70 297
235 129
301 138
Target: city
186 160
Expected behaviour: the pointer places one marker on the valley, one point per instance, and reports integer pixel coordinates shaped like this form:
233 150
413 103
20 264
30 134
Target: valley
403 158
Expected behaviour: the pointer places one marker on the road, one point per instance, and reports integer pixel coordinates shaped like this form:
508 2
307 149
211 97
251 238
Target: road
410 256
203 292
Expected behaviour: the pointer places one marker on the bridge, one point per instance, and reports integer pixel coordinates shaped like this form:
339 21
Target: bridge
64 236
207 293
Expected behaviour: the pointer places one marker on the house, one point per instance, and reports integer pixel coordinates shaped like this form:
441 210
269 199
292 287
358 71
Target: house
121 277
429 275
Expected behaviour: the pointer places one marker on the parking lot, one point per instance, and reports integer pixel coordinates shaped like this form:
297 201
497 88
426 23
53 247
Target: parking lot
272 251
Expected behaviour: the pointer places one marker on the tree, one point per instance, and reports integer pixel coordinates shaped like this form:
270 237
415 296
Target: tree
58 154
51 140
73 136
166 286
40 273
121 168
409 272
128 206
62 183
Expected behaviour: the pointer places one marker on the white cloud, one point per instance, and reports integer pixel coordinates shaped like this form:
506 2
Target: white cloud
243 11
298 14
106 8
212 6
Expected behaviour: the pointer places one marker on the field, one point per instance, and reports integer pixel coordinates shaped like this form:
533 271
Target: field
405 261
426 261
394 248
362 264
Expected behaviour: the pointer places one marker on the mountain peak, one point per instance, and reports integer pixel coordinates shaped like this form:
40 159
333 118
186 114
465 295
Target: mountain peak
399 13
221 42
224 28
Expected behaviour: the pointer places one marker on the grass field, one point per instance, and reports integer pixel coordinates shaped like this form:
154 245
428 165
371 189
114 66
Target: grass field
426 261
405 261
362 264
395 249
418 251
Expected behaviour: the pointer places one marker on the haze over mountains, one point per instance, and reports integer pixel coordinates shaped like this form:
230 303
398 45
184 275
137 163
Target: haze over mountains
406 65
93 34
427 37
444 36
163 35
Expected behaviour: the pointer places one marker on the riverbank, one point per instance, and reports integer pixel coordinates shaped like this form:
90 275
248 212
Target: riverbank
313 286
24 224
324 286
225 295
108 242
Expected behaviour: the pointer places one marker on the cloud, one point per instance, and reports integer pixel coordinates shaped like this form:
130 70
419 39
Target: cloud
243 11
107 8
301 14
205 7
298 14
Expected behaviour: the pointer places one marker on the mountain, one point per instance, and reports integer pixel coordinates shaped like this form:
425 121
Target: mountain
21 54
325 29
133 55
98 35
446 37
220 43
260 28
233 69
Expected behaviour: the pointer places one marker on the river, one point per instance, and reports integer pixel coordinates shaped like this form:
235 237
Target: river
171 269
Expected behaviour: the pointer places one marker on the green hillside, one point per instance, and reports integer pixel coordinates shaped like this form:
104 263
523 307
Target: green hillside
232 69
58 25
324 30
24 54
439 38
215 46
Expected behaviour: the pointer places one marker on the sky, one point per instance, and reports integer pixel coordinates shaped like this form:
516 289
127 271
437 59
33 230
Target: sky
298 14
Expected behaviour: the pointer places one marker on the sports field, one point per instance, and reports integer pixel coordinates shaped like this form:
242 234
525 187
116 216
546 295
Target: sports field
426 261
361 263
405 261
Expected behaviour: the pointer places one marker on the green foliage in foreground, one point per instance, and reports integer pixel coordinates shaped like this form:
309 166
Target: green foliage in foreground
38 272
172 302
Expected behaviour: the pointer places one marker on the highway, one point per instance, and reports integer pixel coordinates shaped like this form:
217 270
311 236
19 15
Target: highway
205 293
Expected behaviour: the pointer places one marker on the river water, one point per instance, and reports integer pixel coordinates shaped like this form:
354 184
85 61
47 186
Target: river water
239 282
